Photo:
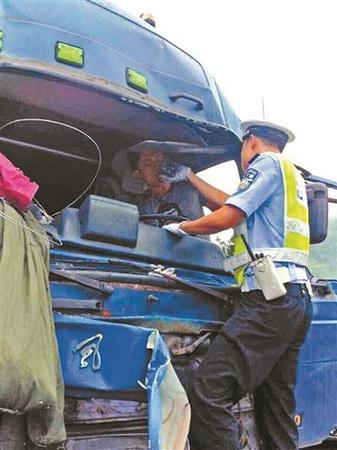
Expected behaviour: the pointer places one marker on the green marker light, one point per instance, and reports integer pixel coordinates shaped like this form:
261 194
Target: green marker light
69 54
136 80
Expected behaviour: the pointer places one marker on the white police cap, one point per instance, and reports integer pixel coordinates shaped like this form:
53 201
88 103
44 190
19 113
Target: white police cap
271 131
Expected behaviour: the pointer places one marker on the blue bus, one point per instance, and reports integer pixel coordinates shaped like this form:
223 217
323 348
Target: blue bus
82 82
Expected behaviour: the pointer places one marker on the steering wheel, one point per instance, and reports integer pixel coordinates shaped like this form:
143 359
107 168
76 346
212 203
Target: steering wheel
163 217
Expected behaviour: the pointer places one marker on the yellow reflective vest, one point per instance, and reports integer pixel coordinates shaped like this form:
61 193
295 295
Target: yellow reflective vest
296 239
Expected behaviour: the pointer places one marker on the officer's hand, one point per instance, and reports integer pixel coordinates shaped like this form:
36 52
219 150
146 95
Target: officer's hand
172 172
175 228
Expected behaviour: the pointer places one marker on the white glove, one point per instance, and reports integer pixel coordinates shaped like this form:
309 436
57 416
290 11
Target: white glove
172 172
174 228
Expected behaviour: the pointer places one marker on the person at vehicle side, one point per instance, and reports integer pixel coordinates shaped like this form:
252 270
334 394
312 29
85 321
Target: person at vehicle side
257 349
32 389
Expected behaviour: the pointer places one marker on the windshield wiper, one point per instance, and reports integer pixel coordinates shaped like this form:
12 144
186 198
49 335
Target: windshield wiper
84 281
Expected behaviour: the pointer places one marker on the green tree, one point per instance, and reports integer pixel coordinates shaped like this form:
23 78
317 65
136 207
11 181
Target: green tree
323 257
227 246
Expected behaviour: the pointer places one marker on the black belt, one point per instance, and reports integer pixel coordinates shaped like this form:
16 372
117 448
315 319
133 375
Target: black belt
296 288
292 289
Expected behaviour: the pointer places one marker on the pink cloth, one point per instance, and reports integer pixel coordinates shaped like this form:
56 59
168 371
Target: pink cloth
15 186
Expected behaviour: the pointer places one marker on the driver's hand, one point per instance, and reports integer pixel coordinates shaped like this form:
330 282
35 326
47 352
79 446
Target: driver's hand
172 172
175 228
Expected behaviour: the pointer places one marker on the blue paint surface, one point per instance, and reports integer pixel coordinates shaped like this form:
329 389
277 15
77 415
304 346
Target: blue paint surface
124 376
113 41
316 389
165 248
123 363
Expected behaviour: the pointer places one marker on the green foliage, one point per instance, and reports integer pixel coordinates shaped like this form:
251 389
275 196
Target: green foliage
226 246
323 257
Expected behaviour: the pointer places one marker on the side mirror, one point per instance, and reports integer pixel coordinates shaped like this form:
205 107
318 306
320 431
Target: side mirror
317 194
106 220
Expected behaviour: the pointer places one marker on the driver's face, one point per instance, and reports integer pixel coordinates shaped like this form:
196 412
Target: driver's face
149 165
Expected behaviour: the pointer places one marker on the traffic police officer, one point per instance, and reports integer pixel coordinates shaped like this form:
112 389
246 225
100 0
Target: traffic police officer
256 350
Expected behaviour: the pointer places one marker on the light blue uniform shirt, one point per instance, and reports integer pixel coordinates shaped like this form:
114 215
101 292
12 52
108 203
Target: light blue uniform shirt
260 196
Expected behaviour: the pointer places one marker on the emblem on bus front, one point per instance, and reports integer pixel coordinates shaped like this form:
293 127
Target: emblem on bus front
88 348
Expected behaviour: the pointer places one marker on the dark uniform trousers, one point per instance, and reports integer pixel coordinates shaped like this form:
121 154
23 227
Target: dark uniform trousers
256 351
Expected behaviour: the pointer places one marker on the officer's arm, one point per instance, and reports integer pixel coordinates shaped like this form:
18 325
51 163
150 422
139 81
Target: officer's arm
225 217
215 197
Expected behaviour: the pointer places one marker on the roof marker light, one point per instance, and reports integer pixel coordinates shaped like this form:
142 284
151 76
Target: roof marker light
69 54
136 80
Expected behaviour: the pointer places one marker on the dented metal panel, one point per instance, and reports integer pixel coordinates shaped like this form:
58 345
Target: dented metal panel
95 364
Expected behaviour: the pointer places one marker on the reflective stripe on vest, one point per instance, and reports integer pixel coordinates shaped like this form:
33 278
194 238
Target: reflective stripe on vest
241 257
296 226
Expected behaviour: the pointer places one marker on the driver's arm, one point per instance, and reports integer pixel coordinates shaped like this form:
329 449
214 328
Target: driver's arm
223 218
215 197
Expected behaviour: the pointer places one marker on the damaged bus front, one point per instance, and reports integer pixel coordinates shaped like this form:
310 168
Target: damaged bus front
135 308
